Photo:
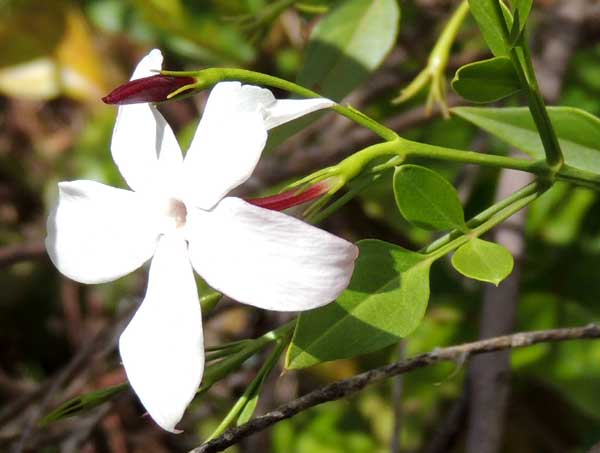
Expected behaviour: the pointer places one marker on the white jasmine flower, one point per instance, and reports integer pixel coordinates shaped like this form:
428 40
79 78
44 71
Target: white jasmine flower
177 213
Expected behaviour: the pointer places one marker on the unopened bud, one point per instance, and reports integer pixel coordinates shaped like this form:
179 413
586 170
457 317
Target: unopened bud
292 197
155 88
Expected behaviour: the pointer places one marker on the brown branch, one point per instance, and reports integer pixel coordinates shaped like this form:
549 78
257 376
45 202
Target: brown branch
350 386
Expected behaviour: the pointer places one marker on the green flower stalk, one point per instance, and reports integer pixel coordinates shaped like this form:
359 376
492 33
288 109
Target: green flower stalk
434 73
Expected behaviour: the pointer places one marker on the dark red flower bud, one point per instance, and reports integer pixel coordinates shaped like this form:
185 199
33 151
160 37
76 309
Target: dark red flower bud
155 88
292 197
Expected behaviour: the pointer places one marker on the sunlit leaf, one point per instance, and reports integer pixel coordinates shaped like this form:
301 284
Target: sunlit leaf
385 301
484 261
427 200
487 80
577 130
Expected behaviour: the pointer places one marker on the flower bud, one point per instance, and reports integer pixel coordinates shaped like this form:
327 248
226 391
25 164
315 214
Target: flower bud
292 197
155 88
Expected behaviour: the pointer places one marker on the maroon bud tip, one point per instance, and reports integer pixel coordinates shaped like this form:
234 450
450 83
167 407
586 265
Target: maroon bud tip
109 99
155 88
292 197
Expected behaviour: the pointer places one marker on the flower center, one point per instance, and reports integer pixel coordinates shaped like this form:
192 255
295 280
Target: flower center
177 213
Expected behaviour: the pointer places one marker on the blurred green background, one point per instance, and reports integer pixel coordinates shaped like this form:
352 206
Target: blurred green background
58 58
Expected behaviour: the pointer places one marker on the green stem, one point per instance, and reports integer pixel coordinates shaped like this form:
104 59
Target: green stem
252 388
211 76
405 149
225 352
524 66
311 9
526 196
484 216
434 73
229 345
579 177
441 51
526 72
356 188
423 150
219 370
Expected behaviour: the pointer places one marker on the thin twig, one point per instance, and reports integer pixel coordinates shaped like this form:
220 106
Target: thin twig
101 345
350 386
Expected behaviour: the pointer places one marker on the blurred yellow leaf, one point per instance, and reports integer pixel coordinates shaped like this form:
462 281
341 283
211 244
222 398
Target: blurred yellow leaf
36 79
69 67
82 74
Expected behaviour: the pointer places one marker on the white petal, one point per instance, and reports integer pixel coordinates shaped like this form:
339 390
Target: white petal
162 347
227 145
148 65
268 259
97 233
231 136
284 110
143 145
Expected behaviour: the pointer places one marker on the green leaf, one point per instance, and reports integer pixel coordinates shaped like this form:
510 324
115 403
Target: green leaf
385 301
250 407
490 25
253 392
487 80
578 131
83 402
484 261
348 44
427 199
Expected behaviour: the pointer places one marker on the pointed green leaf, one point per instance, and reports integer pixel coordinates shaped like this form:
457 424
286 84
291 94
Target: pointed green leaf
578 131
385 301
484 261
490 25
427 200
487 80
83 402
244 407
523 7
253 392
250 407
